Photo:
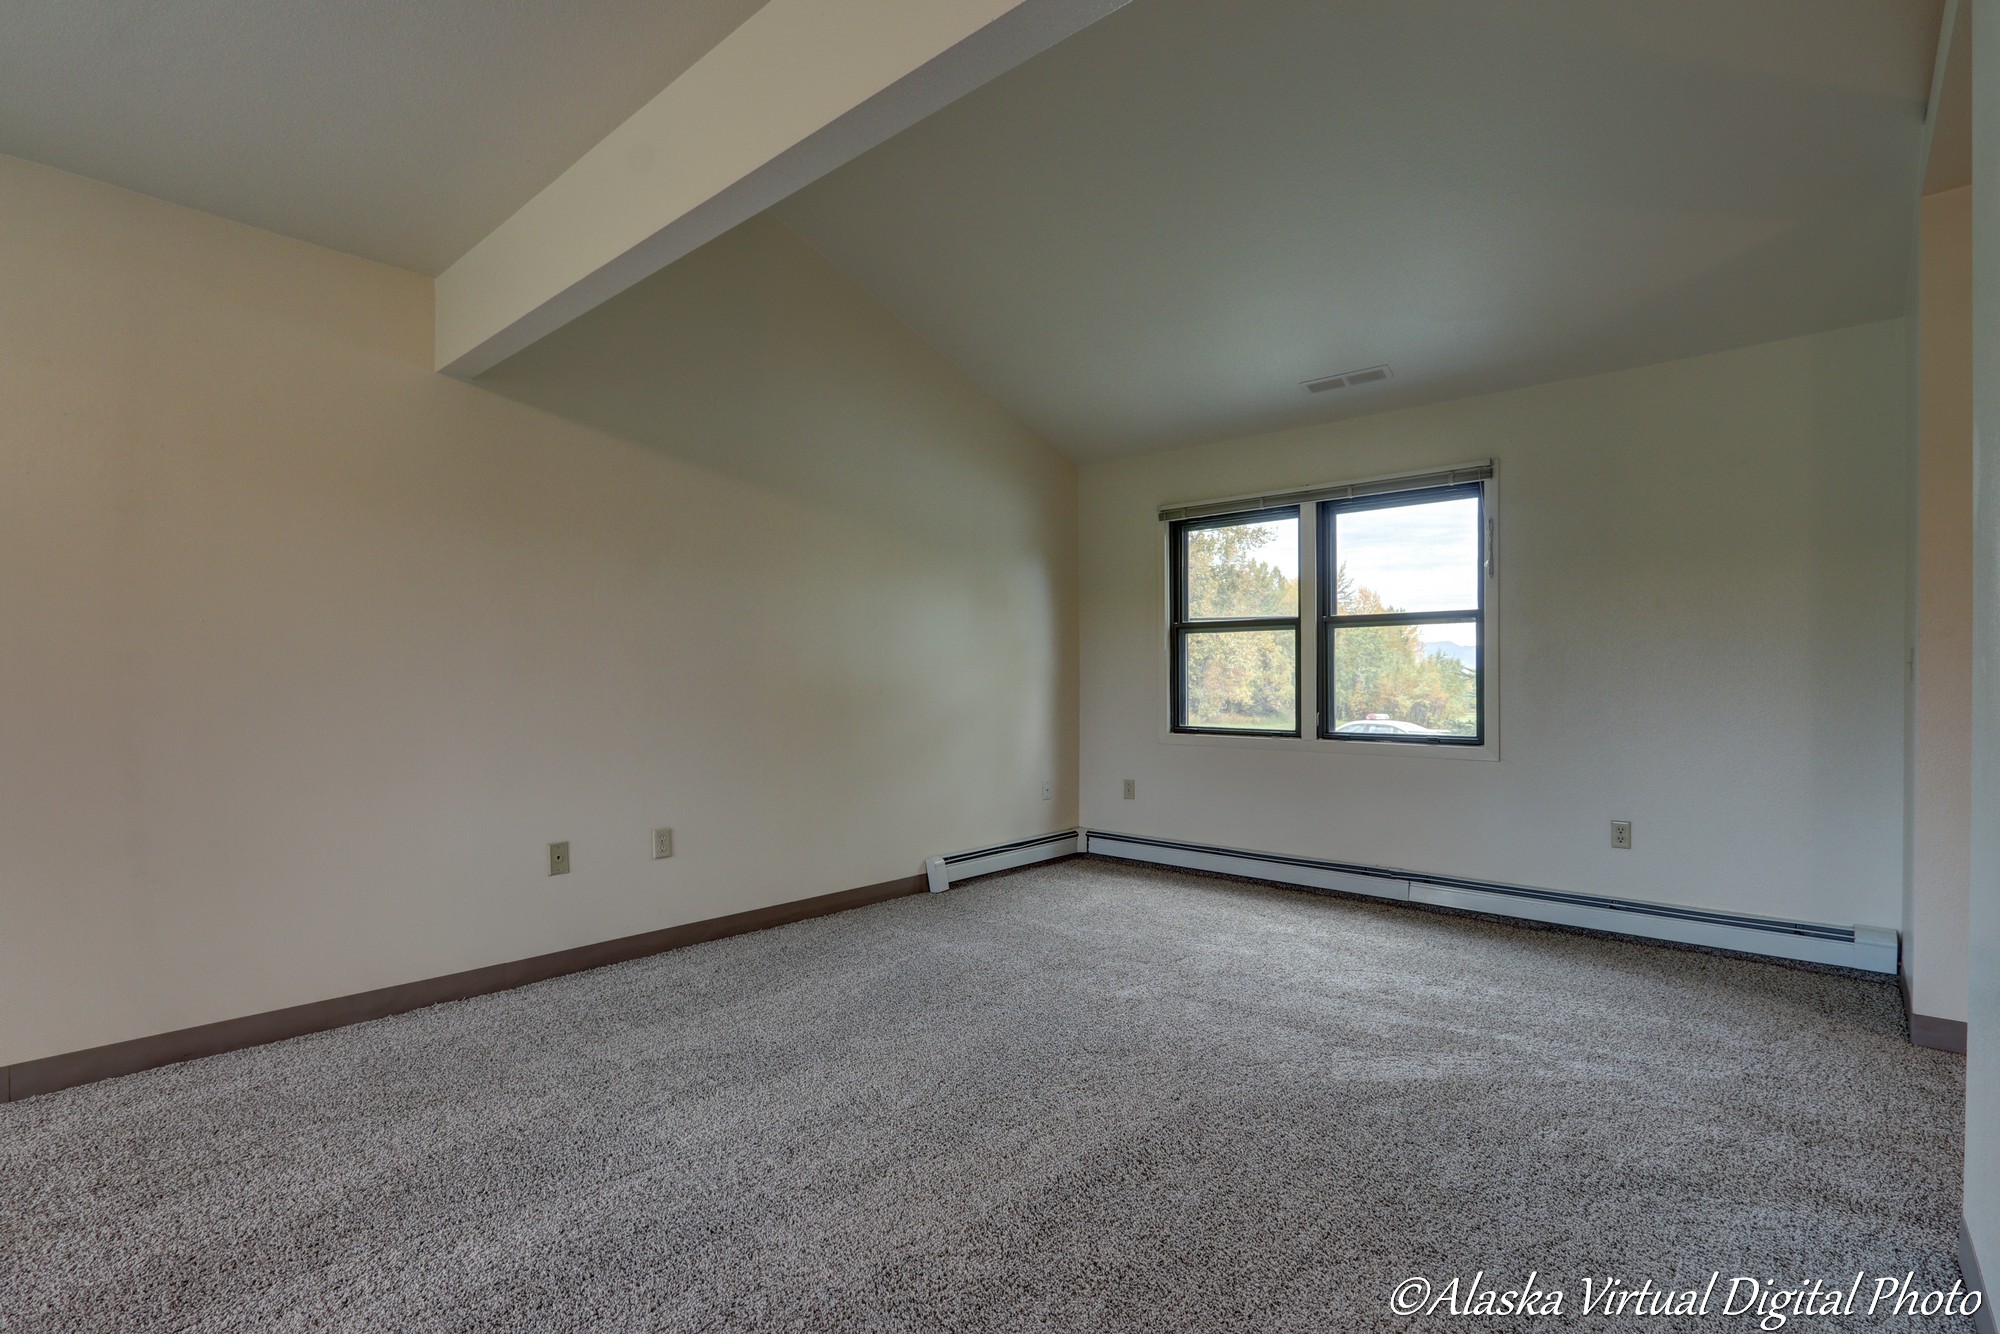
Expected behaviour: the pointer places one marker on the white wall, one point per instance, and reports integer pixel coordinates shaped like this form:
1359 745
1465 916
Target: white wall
1939 816
1701 568
311 650
1982 1076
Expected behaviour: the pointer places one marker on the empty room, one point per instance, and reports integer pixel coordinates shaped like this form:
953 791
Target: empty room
988 665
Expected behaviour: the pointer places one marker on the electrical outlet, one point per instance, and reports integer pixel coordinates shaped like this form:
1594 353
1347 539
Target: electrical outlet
1048 790
1621 834
1131 788
663 843
559 858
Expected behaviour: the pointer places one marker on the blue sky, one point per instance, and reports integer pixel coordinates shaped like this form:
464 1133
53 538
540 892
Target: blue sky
1418 557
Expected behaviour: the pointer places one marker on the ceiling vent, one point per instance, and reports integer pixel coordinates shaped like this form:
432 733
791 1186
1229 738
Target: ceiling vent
1348 379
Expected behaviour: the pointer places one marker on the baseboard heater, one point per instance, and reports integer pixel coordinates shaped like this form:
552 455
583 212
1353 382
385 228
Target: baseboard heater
1873 949
943 871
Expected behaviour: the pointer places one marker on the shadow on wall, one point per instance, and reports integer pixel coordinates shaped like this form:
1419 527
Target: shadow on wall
757 359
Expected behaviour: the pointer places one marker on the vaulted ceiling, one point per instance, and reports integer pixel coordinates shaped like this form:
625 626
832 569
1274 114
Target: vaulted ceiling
1154 232
1151 233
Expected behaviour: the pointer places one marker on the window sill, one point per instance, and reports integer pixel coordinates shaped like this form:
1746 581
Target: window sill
1486 750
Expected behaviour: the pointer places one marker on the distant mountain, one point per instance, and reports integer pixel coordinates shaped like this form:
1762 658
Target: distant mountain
1465 653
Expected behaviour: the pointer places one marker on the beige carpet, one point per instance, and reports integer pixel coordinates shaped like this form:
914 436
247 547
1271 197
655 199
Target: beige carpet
1081 1096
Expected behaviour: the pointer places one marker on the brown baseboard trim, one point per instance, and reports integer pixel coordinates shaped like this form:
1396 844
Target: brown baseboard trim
1983 1320
1927 1030
49 1074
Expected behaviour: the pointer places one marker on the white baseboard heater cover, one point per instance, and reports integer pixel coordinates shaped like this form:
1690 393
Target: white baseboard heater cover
943 871
1870 948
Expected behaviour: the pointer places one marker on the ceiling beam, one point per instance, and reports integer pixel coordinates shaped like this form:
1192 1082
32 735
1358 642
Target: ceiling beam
800 88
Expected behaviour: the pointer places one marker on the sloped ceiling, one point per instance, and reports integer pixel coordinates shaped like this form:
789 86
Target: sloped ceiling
400 131
1154 232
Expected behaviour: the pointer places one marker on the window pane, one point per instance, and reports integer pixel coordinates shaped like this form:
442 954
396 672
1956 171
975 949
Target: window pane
1241 679
1243 569
1407 558
1413 681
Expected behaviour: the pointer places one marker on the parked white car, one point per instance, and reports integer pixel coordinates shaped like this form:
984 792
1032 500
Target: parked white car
1384 727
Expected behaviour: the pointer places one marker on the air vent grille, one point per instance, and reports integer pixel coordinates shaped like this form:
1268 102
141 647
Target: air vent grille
1347 379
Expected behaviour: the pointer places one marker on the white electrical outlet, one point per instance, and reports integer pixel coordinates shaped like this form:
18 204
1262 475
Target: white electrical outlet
1621 834
663 843
1131 788
559 858
1048 790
